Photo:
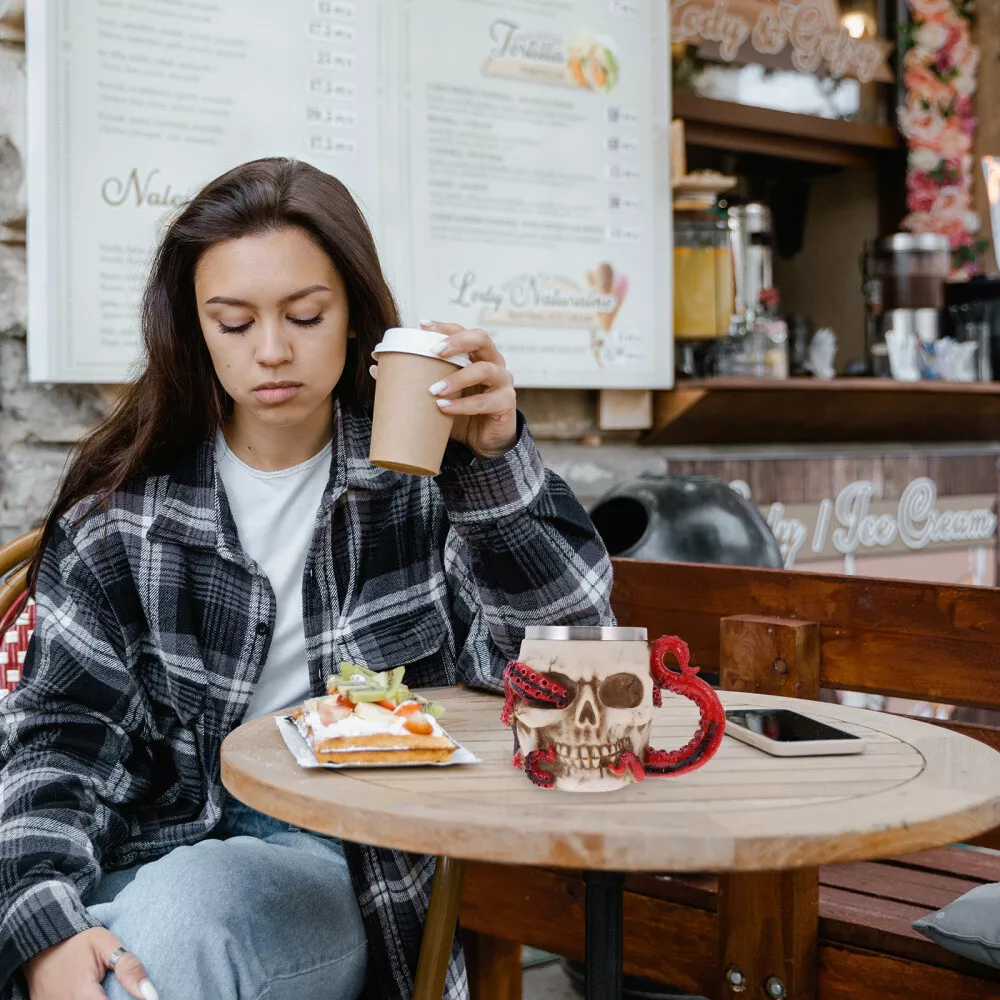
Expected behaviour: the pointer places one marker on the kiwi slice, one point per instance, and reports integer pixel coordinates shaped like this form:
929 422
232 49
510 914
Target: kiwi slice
361 685
349 670
359 695
430 708
394 679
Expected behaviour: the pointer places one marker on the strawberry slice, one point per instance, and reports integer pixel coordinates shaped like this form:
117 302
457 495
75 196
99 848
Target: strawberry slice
389 705
407 708
331 712
414 719
418 724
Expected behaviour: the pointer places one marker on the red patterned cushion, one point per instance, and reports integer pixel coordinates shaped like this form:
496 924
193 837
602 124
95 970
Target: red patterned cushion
15 631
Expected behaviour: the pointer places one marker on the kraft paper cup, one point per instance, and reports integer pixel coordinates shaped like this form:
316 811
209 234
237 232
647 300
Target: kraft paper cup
409 430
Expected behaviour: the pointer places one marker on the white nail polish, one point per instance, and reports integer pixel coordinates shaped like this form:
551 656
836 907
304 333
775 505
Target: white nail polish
444 403
148 991
442 347
437 388
427 322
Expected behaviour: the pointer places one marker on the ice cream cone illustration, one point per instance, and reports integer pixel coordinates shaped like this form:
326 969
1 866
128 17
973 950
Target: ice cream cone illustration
604 280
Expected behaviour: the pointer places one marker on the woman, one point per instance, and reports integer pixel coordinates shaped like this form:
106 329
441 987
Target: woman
219 544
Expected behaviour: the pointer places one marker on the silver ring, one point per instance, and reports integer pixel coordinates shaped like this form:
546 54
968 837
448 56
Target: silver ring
115 956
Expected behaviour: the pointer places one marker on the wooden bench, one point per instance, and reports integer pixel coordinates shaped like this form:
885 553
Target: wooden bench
842 932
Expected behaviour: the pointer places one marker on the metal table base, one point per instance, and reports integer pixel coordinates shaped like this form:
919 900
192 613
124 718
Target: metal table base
604 895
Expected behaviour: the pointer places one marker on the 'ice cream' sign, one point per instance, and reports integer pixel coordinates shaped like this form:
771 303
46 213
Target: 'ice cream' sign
857 524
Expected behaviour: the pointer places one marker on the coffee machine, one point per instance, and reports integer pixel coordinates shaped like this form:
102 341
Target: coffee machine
903 280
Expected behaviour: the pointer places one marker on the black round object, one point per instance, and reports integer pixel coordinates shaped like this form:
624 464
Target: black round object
694 519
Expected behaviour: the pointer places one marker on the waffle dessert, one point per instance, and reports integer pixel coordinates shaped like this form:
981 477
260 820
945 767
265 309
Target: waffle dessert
372 718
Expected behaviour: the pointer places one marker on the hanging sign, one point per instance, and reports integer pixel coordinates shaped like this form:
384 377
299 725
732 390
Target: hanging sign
806 35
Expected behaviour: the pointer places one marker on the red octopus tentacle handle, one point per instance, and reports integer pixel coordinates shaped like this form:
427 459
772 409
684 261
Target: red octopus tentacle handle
521 681
705 742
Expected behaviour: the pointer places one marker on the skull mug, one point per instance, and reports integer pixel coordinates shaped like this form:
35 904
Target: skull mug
581 700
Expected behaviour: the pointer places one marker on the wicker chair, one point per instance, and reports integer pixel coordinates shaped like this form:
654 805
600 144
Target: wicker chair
17 612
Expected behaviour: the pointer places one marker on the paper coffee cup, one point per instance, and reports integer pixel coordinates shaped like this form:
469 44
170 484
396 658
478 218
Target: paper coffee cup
409 430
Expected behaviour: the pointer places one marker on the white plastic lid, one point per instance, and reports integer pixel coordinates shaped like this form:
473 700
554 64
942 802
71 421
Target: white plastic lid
426 343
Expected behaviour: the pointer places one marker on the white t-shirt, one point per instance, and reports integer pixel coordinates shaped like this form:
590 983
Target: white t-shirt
275 515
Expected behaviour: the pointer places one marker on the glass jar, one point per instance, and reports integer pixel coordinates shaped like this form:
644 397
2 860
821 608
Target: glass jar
776 355
703 276
747 354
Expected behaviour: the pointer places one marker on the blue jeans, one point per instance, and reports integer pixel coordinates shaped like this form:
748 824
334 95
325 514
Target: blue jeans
264 912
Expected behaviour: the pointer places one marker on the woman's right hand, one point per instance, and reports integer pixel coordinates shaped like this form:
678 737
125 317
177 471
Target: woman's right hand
75 968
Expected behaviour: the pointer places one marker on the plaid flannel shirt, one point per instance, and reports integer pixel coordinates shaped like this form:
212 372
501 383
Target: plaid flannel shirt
154 625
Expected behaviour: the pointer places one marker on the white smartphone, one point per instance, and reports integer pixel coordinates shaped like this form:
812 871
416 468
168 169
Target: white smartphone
784 733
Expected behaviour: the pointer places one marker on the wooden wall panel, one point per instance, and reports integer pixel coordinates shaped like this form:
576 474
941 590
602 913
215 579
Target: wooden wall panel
809 480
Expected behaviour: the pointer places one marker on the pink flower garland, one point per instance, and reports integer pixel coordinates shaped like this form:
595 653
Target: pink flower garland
940 68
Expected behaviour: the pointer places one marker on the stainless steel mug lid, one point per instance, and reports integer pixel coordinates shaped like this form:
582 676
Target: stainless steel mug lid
588 633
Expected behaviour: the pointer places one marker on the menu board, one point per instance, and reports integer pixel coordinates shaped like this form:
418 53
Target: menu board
510 155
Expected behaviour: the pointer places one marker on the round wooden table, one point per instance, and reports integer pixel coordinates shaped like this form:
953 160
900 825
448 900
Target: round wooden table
916 786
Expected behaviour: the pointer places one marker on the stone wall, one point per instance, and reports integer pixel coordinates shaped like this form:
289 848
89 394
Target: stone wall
38 423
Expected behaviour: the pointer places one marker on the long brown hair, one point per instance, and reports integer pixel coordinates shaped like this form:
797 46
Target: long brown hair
178 402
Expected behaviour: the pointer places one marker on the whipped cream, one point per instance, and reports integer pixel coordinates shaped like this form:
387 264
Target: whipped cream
353 726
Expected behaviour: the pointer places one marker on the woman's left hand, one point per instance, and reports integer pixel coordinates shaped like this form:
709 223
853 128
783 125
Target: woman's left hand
482 396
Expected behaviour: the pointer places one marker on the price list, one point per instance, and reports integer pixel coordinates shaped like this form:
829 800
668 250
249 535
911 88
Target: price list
221 83
538 204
